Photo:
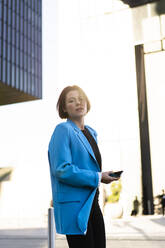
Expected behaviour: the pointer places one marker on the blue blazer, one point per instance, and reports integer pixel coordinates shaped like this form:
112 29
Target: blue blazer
74 177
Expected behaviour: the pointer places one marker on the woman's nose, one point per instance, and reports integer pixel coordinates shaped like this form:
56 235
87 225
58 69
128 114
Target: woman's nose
78 101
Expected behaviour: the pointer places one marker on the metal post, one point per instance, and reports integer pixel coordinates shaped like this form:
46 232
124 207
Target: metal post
51 228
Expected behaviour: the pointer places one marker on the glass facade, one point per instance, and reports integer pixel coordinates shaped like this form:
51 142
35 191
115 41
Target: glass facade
21 45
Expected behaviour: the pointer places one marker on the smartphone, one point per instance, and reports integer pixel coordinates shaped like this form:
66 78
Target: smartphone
116 174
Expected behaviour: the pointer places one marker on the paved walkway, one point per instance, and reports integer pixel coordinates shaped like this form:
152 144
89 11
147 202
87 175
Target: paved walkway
148 231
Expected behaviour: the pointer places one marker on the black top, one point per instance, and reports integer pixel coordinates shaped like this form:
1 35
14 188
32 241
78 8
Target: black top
97 154
94 146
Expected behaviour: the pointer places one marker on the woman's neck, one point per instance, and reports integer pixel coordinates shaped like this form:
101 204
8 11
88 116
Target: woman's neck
79 122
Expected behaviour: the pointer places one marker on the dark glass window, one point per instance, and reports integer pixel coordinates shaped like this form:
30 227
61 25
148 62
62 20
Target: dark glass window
36 68
5 13
29 30
17 6
17 78
0 47
8 73
33 50
13 54
17 39
25 28
33 33
9 16
0 10
18 22
10 3
1 68
36 36
33 66
13 75
4 49
25 45
36 51
4 70
9 34
9 52
14 4
22 8
29 47
13 19
39 53
29 64
33 85
39 70
25 12
29 14
25 80
5 31
39 7
29 82
36 7
21 59
13 36
21 78
21 26
17 56
25 62
21 41
33 17
0 28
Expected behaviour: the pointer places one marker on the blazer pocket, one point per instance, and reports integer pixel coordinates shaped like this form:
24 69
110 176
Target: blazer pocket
63 197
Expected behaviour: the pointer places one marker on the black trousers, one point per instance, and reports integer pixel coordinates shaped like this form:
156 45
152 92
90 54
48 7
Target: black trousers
95 236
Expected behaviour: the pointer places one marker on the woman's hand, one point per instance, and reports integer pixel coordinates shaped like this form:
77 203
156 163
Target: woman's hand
106 177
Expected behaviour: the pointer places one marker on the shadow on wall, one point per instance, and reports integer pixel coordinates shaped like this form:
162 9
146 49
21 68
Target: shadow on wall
160 7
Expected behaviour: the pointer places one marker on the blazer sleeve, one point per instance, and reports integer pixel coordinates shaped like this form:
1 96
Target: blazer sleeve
60 160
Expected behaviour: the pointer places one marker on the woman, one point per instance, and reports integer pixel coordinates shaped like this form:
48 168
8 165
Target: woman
75 169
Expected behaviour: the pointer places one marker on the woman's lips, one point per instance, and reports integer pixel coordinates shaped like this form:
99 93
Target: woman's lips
79 109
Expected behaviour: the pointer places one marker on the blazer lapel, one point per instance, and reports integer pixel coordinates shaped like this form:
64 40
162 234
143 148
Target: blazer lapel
86 144
83 139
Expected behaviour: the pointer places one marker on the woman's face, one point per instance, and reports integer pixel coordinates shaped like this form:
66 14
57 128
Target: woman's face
75 104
